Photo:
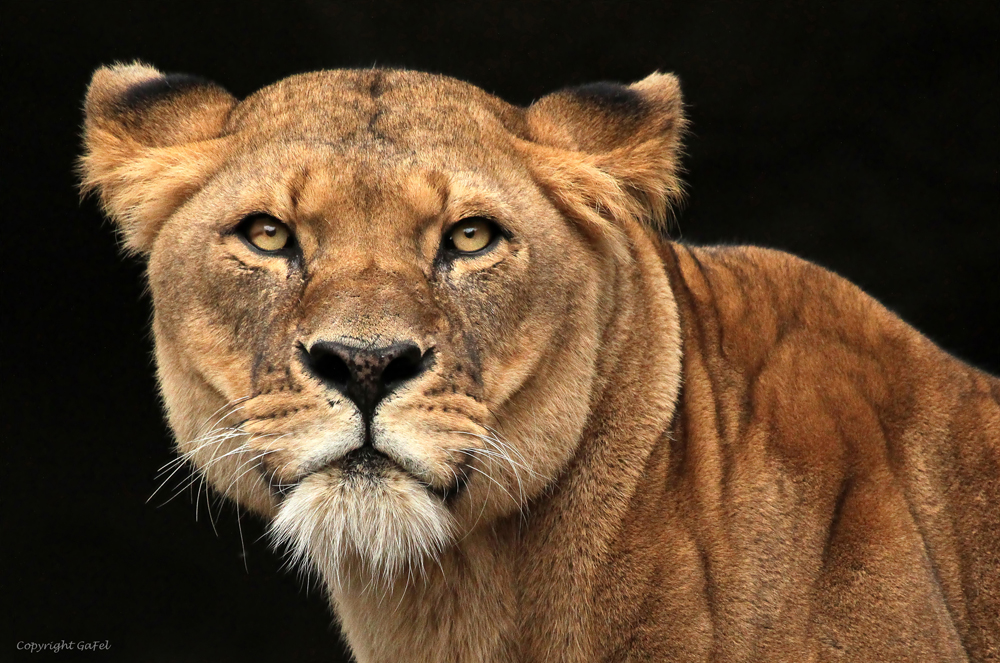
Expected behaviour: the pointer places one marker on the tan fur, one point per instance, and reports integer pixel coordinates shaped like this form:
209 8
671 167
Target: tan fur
672 453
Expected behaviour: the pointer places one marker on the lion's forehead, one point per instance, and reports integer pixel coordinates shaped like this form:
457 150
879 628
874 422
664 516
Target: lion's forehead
392 108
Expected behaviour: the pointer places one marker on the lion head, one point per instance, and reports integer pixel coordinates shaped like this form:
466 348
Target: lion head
382 298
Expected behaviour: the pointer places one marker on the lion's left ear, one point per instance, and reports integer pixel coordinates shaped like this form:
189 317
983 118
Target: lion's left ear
610 149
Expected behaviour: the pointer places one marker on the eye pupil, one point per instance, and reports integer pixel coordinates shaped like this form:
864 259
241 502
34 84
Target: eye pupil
270 231
469 232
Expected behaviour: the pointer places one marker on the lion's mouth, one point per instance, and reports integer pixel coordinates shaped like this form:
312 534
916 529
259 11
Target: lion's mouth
366 462
369 464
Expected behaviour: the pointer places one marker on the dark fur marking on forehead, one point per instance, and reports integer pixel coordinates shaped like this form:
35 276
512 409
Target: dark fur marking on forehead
373 131
142 95
377 84
611 98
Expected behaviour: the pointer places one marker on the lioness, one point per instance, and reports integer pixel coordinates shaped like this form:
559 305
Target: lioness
443 345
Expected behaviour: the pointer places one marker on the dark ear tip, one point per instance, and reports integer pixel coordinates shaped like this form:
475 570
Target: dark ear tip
656 91
108 84
142 94
610 96
121 88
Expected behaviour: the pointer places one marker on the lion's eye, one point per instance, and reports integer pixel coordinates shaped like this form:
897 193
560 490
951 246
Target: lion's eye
471 235
267 233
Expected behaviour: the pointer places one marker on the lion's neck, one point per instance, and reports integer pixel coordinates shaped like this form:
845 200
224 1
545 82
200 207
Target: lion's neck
462 609
529 589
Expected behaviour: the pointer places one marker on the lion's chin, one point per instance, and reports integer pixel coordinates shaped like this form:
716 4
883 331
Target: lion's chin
381 525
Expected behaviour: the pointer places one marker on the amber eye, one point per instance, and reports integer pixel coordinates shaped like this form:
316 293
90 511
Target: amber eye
471 235
267 233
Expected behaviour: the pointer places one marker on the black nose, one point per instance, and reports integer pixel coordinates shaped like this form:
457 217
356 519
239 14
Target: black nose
366 374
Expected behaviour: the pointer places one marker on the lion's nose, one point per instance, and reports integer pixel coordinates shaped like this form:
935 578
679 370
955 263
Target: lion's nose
366 374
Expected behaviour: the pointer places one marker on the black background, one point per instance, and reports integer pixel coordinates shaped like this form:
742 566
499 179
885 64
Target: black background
861 135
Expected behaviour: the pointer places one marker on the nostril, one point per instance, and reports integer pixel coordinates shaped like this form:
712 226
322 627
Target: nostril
406 365
365 374
329 366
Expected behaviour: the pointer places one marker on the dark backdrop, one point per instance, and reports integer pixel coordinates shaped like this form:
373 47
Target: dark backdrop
860 134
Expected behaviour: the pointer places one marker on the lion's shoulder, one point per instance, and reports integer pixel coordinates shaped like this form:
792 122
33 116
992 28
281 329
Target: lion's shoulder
752 300
770 337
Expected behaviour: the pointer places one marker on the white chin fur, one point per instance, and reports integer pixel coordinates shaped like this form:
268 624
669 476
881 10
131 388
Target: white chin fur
381 527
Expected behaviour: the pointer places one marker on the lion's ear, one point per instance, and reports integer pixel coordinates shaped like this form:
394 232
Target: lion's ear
150 140
612 149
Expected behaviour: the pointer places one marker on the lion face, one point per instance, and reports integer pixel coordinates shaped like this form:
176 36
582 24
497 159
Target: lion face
375 322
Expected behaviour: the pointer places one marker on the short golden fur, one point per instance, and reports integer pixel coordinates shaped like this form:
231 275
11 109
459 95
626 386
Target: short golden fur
624 449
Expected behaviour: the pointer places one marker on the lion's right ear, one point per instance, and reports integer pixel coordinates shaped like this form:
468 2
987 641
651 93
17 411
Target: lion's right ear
150 140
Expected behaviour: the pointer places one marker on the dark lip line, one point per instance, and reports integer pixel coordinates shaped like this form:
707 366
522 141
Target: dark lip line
448 494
